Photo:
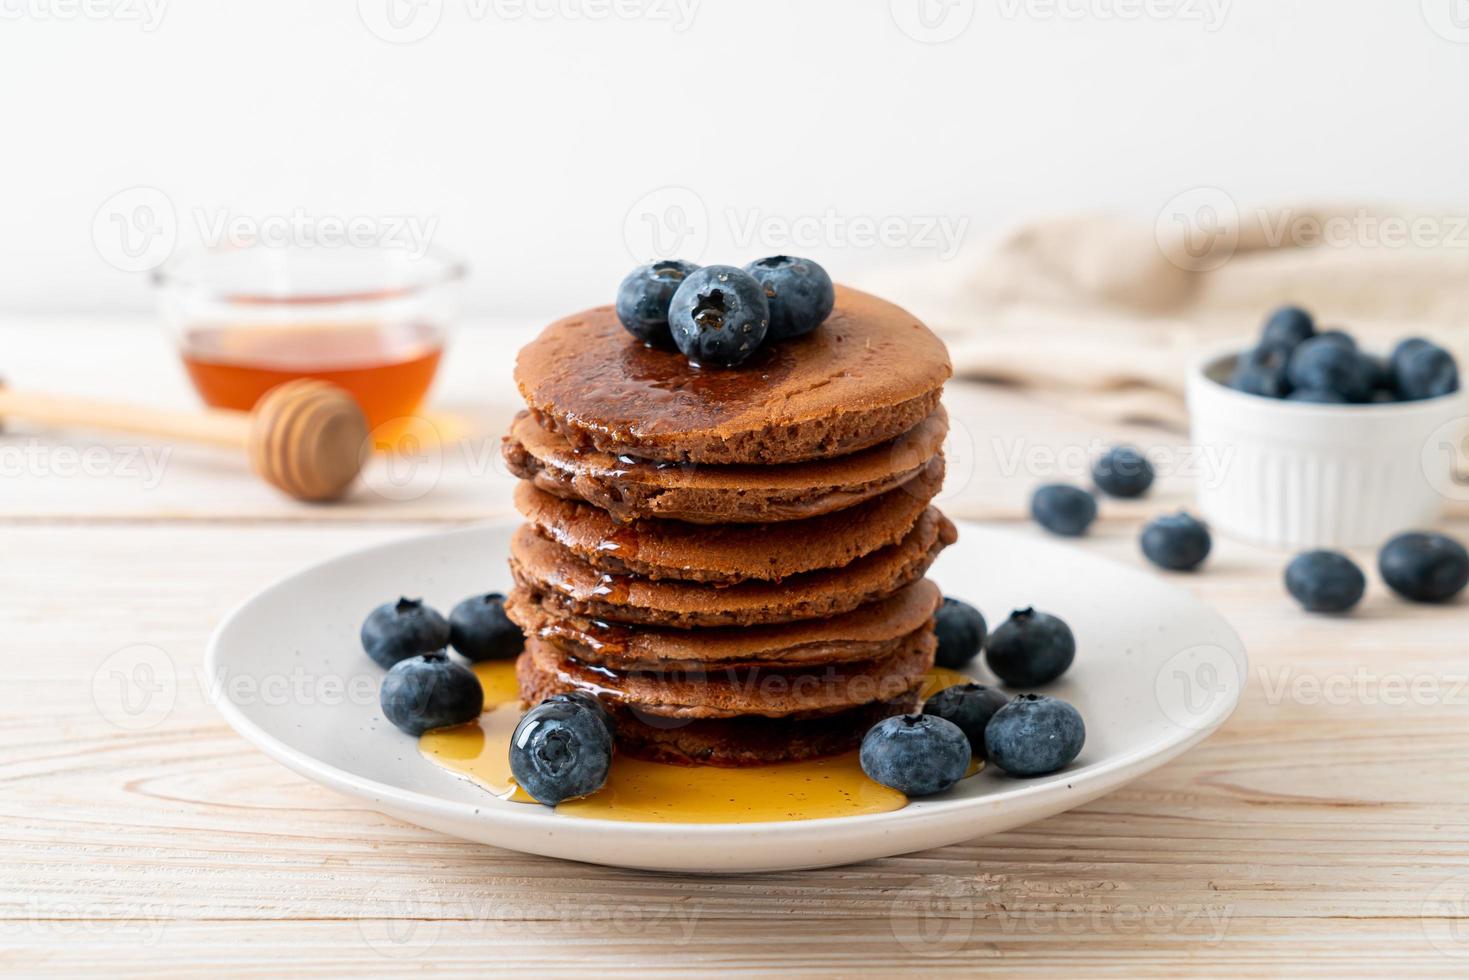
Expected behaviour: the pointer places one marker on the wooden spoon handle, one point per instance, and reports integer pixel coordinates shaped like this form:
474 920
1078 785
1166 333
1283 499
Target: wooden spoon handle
306 437
216 427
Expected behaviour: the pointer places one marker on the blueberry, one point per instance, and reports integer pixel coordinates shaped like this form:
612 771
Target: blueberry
1426 371
395 631
1123 472
430 691
915 754
719 316
1262 371
1324 364
1034 735
588 700
1030 649
1176 541
970 706
961 630
1400 353
1063 509
1315 397
1339 337
1325 581
479 629
1424 566
799 292
1288 326
644 296
561 750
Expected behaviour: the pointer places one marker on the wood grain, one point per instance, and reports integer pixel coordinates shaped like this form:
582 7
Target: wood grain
1324 830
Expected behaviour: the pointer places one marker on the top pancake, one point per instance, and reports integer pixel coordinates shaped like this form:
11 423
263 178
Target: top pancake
870 372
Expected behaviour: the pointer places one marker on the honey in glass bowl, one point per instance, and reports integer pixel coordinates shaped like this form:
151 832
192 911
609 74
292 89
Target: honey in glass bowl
387 369
370 320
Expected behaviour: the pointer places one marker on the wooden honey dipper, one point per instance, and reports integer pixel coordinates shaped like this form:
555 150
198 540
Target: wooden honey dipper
305 437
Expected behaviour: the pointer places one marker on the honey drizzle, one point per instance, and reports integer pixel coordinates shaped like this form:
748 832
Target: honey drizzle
649 791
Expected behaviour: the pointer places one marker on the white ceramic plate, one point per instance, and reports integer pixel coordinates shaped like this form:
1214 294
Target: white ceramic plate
1156 671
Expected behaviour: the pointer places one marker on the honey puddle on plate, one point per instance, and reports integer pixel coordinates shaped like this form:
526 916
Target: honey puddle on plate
652 791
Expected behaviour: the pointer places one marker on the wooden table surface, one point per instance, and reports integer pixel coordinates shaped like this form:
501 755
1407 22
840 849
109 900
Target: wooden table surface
1323 830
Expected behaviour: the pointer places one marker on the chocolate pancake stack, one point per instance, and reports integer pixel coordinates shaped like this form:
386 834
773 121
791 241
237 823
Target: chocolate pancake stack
732 559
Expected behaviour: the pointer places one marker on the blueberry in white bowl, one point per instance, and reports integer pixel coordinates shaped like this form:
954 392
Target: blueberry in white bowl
799 291
1331 363
1063 509
1178 542
561 750
1288 327
1325 581
1399 355
1030 648
430 691
1338 336
644 296
1262 371
1295 360
1424 566
1424 370
719 316
395 631
969 706
480 630
917 755
960 630
1034 735
1123 472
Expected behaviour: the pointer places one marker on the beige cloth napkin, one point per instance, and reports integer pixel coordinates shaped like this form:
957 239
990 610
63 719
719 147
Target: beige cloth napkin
1108 313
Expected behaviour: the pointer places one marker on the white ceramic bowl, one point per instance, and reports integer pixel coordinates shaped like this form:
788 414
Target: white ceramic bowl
1298 475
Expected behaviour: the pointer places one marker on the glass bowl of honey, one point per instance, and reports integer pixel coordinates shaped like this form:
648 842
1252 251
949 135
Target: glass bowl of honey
372 319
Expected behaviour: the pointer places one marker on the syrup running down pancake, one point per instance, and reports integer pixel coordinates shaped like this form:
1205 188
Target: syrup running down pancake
730 553
629 488
567 585
869 632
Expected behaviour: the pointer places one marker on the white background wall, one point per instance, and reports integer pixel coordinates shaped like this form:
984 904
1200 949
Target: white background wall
526 132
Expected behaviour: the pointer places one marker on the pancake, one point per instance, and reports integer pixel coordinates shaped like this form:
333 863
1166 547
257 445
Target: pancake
730 553
728 692
867 374
870 632
629 489
750 740
567 586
